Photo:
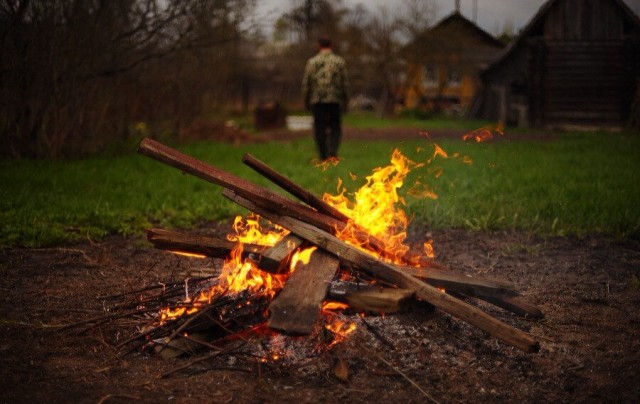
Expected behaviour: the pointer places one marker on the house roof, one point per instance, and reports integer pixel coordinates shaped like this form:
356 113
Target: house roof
454 32
536 22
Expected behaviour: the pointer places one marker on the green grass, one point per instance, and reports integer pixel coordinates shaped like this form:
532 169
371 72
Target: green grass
575 185
369 120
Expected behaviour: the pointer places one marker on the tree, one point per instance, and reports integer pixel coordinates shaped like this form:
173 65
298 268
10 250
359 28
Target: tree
76 74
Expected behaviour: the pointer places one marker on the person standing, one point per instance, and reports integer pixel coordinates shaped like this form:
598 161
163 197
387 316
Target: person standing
324 90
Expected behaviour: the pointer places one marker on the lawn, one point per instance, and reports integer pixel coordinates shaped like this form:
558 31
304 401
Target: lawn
576 184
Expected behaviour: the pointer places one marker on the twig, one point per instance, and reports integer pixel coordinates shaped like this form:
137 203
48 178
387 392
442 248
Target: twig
376 334
104 399
204 358
401 373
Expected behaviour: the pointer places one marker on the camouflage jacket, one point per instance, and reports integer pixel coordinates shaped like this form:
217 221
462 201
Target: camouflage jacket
325 80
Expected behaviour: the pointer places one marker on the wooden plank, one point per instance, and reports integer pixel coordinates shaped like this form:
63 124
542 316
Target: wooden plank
297 308
379 300
389 273
170 240
293 188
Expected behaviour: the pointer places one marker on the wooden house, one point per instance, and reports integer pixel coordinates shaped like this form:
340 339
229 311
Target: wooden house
444 65
575 64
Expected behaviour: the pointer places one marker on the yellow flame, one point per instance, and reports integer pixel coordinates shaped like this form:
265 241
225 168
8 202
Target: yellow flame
333 306
375 205
249 231
301 256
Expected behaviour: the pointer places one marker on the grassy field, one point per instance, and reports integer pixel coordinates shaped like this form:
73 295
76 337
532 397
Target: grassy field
574 185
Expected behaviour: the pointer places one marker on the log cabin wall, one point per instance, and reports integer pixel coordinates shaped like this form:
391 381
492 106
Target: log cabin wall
574 65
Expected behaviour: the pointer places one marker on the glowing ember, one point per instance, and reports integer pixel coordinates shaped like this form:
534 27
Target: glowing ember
485 133
188 254
333 306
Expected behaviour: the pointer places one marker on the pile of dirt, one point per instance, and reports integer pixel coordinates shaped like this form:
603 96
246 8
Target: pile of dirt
590 337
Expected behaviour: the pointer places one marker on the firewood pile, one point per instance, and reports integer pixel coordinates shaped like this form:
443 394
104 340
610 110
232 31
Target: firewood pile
294 289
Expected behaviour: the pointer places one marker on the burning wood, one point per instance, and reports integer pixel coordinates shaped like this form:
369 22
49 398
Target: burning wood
297 306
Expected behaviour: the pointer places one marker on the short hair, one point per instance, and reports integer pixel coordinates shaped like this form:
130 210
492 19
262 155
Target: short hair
324 41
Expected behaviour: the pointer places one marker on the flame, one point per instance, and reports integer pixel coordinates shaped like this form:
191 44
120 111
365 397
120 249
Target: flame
249 231
237 275
332 306
375 205
340 329
324 165
301 256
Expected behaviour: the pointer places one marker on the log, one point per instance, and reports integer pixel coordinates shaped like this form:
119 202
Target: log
512 304
297 308
293 188
454 282
371 298
209 246
392 274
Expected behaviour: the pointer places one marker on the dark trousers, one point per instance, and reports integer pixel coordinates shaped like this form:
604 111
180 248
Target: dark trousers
327 127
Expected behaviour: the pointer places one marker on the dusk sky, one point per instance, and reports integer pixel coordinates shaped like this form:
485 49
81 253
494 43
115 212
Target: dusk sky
492 14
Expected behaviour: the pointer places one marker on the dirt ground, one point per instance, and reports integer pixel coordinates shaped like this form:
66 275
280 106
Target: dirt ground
588 289
590 345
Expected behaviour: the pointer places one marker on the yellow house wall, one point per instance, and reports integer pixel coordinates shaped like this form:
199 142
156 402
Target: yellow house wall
415 89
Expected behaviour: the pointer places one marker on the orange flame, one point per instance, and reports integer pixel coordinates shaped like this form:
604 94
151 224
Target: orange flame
375 205
188 254
237 274
340 329
332 306
324 165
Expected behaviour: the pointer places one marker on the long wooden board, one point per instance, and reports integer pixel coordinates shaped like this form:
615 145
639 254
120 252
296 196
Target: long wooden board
297 308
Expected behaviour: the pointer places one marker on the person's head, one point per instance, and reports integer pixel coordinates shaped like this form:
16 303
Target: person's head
324 42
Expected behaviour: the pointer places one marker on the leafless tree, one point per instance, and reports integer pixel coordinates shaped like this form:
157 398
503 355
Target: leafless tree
75 74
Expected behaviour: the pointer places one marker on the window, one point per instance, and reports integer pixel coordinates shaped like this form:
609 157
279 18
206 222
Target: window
453 78
430 76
